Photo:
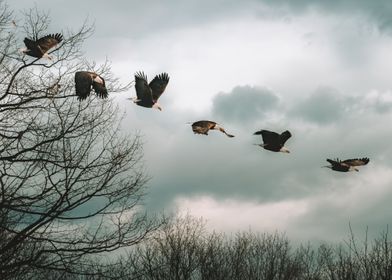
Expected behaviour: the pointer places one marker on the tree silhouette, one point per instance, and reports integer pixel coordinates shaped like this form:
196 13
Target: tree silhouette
71 181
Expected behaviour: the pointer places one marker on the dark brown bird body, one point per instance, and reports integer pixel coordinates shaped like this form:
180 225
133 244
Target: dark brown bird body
202 127
273 141
347 165
149 93
85 81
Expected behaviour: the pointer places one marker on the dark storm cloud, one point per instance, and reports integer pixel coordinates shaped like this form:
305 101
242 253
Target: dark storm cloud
233 168
361 202
324 106
327 105
380 102
182 164
141 18
223 168
136 18
379 11
244 103
383 108
128 23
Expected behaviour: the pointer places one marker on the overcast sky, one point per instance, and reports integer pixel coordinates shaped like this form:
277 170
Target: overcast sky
321 69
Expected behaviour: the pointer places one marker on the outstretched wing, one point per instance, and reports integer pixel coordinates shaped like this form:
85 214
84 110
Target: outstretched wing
334 162
269 137
158 85
30 44
338 165
284 136
99 87
143 91
49 41
356 161
83 82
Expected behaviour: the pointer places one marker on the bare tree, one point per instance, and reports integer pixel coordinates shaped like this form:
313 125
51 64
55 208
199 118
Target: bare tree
183 249
71 181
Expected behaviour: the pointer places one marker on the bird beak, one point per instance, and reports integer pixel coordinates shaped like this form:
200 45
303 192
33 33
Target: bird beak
134 99
157 106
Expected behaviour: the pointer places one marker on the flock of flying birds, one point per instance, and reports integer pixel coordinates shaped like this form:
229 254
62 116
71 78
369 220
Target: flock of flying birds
147 95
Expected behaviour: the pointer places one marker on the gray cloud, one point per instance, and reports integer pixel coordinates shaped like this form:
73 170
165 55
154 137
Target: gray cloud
244 103
361 202
380 102
379 11
223 168
135 19
186 165
324 106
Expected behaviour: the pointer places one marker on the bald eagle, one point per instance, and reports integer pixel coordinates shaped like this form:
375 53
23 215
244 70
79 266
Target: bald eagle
84 80
347 165
273 141
202 127
149 93
39 48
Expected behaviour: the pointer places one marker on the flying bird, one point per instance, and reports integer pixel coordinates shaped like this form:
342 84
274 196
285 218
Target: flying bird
347 165
39 48
149 93
273 141
202 127
84 80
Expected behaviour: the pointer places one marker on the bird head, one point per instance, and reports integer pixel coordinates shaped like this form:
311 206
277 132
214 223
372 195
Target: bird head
134 99
157 106
284 150
47 56
99 80
24 50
